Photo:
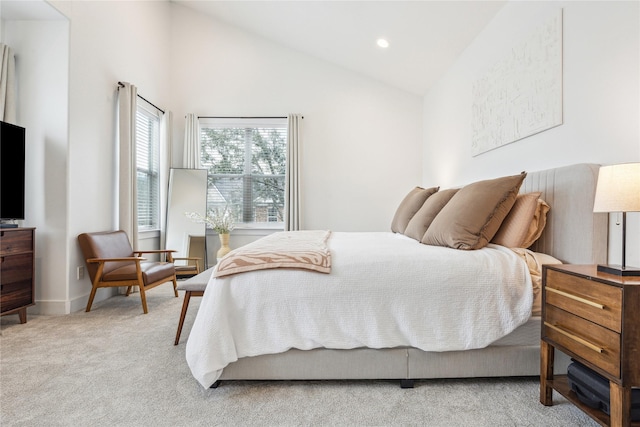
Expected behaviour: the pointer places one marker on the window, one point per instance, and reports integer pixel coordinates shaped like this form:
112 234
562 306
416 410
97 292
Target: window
246 163
148 166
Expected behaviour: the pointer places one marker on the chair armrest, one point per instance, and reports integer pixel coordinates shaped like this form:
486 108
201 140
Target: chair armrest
132 258
103 261
191 258
155 251
166 252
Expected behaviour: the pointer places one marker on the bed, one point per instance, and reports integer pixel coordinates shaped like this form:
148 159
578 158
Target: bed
573 234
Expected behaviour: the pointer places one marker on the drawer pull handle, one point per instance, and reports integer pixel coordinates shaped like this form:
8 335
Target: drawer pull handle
575 338
575 298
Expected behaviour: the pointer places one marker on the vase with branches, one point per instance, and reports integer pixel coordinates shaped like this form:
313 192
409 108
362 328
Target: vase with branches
221 221
218 219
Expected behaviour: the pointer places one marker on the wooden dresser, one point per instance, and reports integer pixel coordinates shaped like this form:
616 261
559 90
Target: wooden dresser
17 279
593 317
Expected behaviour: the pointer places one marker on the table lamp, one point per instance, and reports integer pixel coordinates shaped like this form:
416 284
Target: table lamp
618 190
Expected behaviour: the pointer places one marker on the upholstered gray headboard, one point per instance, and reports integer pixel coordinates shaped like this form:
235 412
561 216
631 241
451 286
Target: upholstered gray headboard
574 234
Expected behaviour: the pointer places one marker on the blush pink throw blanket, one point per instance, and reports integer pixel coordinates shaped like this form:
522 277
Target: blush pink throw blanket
306 250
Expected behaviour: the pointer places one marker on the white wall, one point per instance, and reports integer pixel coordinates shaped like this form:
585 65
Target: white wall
601 98
41 50
362 139
109 42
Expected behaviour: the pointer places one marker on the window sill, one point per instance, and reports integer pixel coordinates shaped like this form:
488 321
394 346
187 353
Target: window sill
252 230
148 234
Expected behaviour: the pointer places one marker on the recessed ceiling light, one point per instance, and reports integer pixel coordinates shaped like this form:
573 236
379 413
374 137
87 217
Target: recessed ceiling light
382 43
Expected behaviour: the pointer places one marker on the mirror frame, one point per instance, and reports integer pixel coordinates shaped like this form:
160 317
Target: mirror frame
187 193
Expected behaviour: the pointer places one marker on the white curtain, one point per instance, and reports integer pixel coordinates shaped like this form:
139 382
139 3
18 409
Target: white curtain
166 148
292 185
7 84
191 156
127 188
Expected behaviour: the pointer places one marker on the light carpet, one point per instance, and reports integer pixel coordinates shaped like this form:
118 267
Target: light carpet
115 366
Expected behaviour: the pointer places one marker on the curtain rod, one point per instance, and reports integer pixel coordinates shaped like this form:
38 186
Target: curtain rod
120 84
217 117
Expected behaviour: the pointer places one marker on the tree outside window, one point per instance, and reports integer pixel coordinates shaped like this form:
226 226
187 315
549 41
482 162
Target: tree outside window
246 163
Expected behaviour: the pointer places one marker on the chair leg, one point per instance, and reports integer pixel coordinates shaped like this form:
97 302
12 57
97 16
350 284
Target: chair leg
91 297
175 286
143 297
128 290
185 305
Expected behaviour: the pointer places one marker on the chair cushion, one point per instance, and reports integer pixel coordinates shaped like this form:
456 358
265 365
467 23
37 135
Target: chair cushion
183 268
151 272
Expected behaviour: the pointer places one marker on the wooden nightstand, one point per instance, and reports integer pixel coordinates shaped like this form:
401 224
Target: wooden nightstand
594 318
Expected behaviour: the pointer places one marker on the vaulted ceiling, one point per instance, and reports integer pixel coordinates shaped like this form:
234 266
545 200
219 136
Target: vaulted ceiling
425 37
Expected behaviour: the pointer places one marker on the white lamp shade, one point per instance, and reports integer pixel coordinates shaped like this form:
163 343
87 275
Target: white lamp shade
618 188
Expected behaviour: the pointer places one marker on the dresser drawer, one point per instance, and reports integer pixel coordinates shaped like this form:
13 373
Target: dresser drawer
12 242
592 342
15 295
16 268
597 302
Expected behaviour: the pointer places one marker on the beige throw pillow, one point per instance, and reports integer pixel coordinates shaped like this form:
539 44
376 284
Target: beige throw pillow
422 219
517 228
474 214
409 206
525 222
537 224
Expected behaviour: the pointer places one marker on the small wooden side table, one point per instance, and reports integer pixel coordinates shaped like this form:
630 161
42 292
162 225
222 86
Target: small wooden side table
593 317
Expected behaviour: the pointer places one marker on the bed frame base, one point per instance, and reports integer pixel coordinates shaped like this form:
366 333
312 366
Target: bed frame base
405 364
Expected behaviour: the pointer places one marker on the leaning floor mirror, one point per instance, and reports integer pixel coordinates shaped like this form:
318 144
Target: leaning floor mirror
187 193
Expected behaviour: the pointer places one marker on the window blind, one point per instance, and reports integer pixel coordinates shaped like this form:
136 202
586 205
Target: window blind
148 166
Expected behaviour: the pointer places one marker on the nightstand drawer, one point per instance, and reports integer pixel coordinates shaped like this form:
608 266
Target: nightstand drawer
587 340
597 302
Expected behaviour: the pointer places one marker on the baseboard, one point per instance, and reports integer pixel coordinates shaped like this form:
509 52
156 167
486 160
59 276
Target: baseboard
49 308
60 307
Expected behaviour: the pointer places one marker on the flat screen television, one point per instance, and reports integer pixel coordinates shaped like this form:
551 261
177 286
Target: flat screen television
12 168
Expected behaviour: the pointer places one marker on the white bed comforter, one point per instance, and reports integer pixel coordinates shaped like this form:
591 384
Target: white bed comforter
385 290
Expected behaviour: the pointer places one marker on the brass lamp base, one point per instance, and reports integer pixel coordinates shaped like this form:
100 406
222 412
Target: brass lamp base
619 270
